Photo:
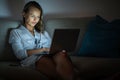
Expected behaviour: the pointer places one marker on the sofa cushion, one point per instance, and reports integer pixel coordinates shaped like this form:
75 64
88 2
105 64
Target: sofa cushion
11 70
95 68
102 39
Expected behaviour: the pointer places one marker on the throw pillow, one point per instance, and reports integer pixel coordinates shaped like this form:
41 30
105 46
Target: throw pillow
102 39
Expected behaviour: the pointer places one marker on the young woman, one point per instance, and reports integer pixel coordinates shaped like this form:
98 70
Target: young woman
30 43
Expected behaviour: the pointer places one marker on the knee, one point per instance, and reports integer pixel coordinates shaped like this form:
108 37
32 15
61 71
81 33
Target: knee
59 57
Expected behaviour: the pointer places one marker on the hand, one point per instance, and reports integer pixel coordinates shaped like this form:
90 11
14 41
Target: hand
63 52
45 49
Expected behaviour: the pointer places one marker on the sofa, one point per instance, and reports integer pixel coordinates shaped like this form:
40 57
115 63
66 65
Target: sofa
89 64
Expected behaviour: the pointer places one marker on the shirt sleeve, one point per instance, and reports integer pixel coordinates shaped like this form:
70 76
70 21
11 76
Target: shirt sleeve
48 39
17 46
44 41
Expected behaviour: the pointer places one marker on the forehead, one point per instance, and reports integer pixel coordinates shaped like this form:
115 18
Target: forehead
34 9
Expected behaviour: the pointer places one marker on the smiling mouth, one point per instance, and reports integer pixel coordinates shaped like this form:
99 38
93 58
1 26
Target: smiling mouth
34 23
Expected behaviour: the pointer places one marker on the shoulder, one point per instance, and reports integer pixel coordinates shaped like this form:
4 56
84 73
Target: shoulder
14 35
16 31
45 32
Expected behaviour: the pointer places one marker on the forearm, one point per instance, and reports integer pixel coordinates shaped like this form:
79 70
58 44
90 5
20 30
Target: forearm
35 51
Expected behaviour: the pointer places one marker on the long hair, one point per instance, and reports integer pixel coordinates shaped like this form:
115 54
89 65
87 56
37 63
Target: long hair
39 25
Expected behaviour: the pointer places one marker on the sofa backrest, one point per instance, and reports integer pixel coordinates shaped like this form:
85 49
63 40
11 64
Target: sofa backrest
6 53
80 23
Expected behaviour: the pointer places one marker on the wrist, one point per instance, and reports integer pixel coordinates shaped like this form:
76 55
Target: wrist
43 49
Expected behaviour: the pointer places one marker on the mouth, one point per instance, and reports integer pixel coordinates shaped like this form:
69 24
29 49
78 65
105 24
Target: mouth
34 23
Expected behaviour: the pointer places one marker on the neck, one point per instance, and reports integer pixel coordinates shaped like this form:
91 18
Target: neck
30 28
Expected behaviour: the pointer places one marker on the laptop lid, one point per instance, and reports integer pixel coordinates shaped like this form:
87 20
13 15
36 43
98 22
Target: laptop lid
64 39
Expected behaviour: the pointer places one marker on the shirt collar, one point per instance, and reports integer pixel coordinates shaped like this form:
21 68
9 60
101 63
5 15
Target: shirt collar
24 29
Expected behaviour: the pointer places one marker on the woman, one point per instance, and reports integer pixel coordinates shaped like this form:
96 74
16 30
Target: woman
30 43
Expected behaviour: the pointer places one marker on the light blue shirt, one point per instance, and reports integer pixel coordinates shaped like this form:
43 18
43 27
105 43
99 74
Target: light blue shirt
22 40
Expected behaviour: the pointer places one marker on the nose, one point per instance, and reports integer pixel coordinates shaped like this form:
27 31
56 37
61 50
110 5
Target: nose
35 18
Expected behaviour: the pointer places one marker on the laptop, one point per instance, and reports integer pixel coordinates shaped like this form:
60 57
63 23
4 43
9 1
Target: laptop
64 39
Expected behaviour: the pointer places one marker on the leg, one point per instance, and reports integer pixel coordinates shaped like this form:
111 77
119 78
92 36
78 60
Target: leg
64 66
46 66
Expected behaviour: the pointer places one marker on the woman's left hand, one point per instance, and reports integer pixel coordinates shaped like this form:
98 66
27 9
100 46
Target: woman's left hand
46 49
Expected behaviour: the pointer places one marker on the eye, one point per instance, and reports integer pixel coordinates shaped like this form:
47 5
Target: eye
38 17
32 15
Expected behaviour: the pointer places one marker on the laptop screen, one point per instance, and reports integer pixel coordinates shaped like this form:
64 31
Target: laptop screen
64 39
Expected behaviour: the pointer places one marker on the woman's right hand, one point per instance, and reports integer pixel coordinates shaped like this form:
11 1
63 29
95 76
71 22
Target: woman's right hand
36 51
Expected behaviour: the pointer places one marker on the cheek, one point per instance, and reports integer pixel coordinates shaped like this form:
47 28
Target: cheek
28 19
38 20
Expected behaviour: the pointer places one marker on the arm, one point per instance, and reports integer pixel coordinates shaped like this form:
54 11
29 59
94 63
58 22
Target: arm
16 41
46 40
45 43
46 46
35 51
17 47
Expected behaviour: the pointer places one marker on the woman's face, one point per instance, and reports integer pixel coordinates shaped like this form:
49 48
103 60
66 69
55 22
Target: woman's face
32 17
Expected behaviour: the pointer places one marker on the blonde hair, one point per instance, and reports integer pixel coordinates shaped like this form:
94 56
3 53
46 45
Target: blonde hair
39 25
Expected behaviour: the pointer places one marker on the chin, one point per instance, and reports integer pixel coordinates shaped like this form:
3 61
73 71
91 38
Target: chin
33 25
